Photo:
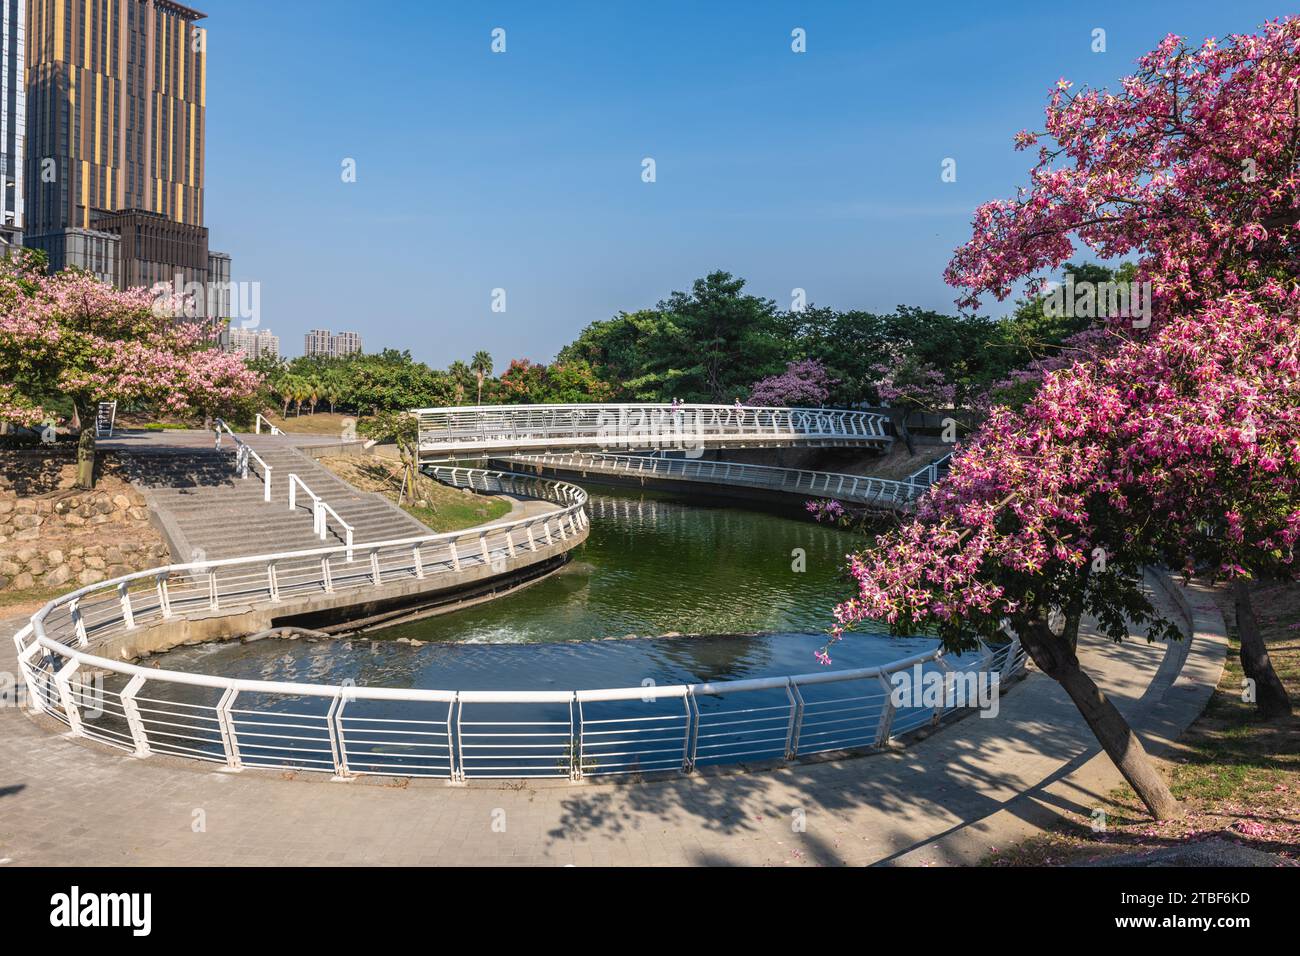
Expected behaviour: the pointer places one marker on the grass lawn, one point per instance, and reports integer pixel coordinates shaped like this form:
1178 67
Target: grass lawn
30 600
321 423
1237 776
443 508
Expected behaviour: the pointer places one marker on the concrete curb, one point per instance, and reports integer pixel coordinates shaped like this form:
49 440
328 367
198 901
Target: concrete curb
1192 669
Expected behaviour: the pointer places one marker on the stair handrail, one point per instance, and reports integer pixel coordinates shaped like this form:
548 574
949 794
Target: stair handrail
320 509
257 425
243 452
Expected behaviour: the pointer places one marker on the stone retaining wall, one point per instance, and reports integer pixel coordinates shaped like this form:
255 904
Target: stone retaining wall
53 535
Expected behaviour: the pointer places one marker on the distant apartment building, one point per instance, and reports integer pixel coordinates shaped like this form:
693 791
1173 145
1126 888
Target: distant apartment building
254 343
345 343
115 122
322 343
13 118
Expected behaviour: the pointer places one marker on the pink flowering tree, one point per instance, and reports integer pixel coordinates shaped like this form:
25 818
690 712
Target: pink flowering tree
804 383
1178 442
71 336
907 382
1190 165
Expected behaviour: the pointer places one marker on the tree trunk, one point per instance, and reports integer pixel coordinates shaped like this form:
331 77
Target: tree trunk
1054 656
86 459
905 433
1270 695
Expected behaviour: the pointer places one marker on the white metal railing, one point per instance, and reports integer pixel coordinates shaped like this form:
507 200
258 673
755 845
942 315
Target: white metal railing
455 735
447 432
931 473
347 730
263 420
320 512
856 488
243 455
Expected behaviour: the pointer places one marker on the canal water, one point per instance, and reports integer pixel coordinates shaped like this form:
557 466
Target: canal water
664 590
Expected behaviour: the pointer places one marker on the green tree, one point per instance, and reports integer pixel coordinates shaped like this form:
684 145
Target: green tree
481 366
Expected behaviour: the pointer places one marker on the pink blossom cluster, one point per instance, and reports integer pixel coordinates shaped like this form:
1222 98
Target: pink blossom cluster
825 509
1186 446
805 383
904 379
1180 443
1190 164
72 334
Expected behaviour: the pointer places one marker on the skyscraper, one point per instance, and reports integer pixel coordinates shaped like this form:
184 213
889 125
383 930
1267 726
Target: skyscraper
13 118
323 343
255 343
116 102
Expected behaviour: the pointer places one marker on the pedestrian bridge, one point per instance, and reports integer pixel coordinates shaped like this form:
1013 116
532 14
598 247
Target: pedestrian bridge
465 431
880 493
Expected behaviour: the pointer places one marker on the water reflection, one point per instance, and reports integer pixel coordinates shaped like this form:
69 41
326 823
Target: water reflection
653 567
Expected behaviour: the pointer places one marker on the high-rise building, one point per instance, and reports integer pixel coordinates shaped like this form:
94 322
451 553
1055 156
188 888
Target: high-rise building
13 118
316 343
255 343
323 343
345 343
116 104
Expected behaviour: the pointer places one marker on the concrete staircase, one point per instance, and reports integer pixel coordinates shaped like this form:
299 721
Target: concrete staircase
207 512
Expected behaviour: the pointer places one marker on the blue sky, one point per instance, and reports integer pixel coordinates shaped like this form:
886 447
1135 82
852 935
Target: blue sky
522 170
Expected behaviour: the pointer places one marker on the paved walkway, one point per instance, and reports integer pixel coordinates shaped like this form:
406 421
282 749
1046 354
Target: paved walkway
943 799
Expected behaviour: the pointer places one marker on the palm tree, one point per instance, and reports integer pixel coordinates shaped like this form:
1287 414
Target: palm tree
281 386
481 364
299 391
459 372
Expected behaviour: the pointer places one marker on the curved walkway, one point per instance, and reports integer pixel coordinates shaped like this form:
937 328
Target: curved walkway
944 798
882 493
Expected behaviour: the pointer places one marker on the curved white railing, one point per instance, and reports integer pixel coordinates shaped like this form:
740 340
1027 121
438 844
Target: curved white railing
862 489
463 430
457 735
124 603
347 730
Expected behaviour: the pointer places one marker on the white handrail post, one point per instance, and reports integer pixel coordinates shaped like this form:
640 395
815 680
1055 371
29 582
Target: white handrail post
338 743
62 680
164 601
226 722
886 713
272 581
266 483
1008 663
128 616
796 720
131 710
944 669
78 621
